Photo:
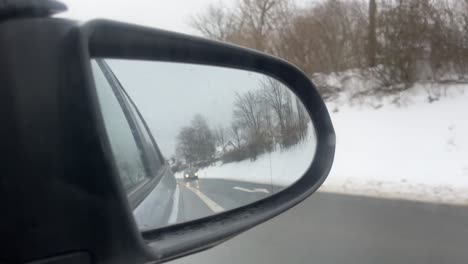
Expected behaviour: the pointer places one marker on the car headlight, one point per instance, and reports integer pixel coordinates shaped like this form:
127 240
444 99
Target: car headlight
196 174
186 175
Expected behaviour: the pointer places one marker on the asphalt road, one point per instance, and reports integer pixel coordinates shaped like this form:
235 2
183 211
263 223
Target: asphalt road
205 197
332 228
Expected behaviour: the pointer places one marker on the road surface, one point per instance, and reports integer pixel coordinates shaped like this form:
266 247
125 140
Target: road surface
332 228
205 197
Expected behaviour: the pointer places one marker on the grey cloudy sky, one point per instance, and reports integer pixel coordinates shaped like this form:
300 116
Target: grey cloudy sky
165 14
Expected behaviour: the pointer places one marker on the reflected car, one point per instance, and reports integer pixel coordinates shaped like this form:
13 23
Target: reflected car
191 174
144 173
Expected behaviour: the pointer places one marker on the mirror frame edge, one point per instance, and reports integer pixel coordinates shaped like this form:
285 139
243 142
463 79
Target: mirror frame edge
110 39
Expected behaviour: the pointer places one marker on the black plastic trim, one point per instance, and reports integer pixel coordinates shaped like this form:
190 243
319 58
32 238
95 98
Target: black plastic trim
59 193
30 8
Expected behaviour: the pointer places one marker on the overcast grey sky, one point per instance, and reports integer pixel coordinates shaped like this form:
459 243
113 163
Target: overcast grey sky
165 14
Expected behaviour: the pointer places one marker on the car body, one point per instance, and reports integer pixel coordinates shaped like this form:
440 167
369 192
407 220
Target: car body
159 185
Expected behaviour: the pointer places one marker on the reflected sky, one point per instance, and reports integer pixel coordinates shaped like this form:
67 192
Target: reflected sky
170 94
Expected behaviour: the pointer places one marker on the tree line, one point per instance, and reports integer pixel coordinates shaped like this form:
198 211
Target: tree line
263 120
400 41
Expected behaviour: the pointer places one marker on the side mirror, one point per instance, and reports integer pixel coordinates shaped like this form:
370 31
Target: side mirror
110 48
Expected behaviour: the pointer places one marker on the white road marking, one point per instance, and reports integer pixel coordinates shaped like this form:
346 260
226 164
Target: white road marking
175 206
210 203
257 190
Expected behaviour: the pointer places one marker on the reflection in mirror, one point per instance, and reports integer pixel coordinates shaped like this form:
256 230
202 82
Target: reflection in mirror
191 140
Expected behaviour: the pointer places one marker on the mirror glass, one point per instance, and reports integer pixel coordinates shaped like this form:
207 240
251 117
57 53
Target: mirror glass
192 140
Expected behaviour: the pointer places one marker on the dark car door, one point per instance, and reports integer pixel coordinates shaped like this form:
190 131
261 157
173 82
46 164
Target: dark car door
147 179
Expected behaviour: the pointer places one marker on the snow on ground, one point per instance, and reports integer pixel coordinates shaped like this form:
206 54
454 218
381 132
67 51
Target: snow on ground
398 146
415 150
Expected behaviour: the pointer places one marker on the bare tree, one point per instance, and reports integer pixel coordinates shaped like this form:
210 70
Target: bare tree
250 23
302 119
236 134
405 32
372 39
186 146
196 142
259 19
220 135
276 96
291 116
246 110
216 22
248 113
325 37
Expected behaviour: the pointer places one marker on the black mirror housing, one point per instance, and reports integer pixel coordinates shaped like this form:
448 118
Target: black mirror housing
107 39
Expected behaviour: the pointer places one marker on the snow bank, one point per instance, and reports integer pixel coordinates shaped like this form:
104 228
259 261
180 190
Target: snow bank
411 150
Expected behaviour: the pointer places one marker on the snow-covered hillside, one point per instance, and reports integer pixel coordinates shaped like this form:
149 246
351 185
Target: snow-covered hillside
277 168
412 150
400 146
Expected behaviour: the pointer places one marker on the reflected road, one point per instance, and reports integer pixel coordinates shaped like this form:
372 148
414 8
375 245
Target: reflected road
204 197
